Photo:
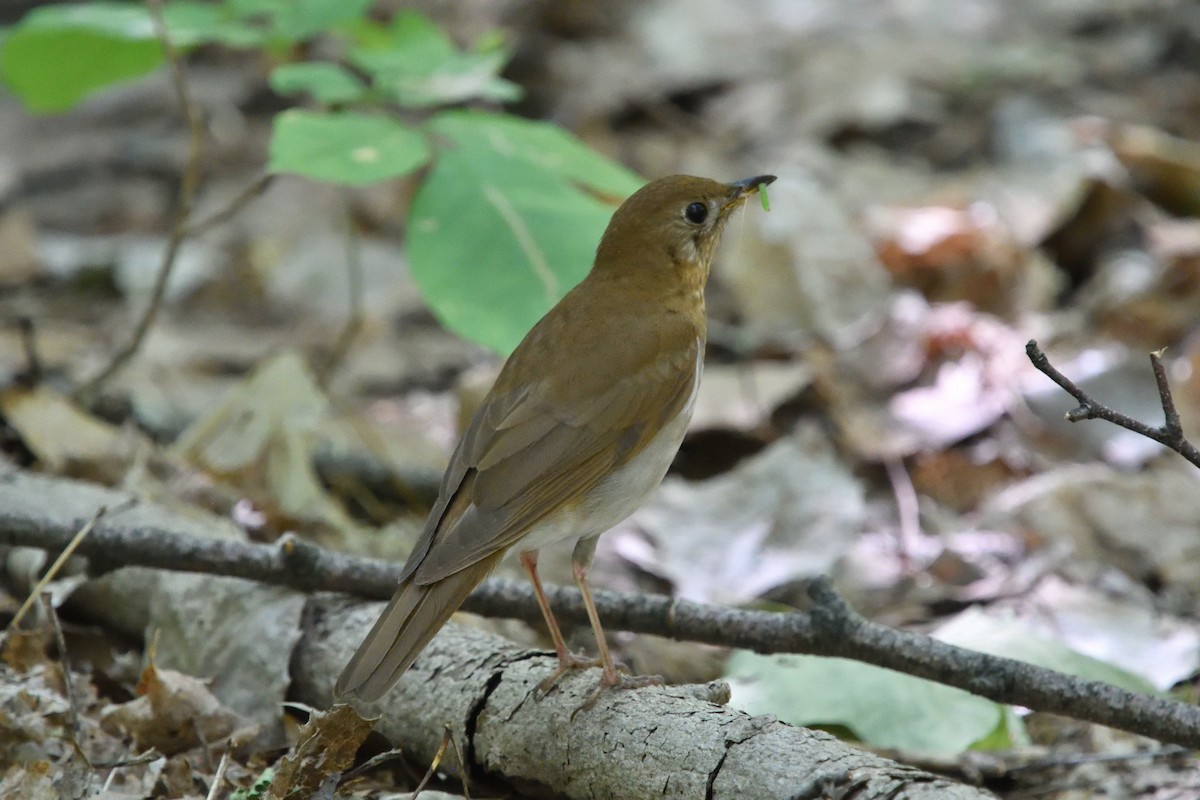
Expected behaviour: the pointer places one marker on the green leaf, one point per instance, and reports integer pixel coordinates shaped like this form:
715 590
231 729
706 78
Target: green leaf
344 147
327 83
410 42
35 70
883 708
297 20
888 709
986 632
507 222
107 43
461 77
413 62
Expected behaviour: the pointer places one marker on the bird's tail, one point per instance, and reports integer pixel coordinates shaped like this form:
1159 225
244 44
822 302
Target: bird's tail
413 616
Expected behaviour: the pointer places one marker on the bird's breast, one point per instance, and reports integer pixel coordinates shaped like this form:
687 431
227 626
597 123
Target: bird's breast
623 490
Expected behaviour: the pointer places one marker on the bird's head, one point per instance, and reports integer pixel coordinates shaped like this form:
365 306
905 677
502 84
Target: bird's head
672 222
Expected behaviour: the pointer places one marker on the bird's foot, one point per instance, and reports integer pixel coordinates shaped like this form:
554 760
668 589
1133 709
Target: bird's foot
567 662
616 681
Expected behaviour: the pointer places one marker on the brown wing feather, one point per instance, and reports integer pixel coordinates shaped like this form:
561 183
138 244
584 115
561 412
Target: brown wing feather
556 441
516 493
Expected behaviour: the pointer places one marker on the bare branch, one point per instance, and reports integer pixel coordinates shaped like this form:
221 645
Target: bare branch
240 201
1169 434
187 194
57 566
36 512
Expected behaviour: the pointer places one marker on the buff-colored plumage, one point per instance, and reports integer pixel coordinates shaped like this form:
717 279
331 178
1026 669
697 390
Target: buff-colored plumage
581 423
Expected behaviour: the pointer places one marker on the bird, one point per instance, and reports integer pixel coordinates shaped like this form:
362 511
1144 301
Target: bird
581 425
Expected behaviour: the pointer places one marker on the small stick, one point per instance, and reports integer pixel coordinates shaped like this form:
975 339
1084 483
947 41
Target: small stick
61 641
187 194
36 592
447 738
370 764
1169 434
240 201
33 361
908 511
219 777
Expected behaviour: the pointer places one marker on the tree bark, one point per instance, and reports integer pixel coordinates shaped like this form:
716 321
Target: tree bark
633 744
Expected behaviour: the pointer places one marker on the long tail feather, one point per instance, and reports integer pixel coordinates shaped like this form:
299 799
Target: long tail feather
411 619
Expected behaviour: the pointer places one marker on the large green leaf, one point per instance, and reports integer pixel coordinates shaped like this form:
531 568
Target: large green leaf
879 706
889 709
345 147
58 55
51 84
1000 635
507 221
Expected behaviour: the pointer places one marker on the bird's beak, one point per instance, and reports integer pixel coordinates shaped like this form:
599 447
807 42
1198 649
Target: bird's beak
740 190
750 185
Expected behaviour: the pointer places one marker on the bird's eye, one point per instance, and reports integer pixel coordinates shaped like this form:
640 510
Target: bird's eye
696 212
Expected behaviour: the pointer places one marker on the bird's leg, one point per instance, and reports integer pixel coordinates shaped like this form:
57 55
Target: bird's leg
567 660
529 560
581 561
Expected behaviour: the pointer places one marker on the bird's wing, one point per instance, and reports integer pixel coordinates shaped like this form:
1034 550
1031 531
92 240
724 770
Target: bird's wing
534 448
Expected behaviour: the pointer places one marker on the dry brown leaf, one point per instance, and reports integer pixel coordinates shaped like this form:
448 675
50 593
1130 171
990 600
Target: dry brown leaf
975 361
958 478
1165 168
174 713
31 708
326 748
260 439
1142 523
31 780
786 513
951 254
18 243
65 438
22 649
1150 297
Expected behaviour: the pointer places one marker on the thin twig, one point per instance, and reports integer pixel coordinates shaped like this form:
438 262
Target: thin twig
61 641
219 777
447 738
395 754
908 511
52 573
240 201
462 763
148 757
33 362
187 194
354 296
1169 434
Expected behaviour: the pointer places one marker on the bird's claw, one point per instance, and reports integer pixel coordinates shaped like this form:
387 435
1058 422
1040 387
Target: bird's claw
616 681
568 662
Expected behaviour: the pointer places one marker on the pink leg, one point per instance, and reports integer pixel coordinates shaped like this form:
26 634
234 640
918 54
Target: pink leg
529 560
581 561
567 661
